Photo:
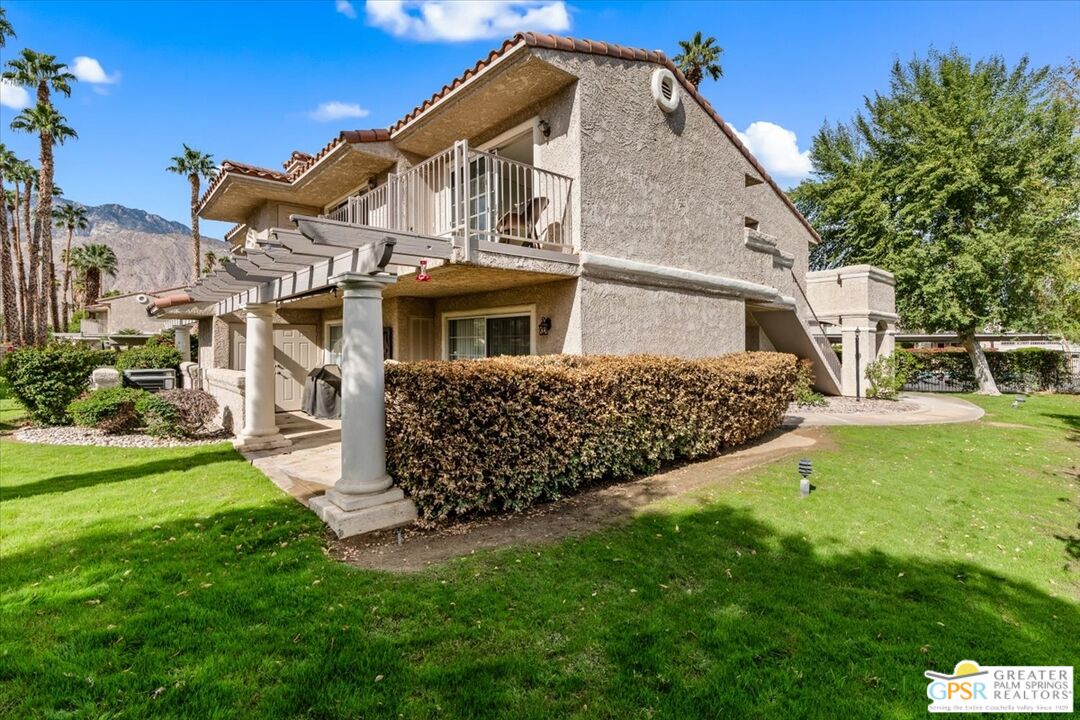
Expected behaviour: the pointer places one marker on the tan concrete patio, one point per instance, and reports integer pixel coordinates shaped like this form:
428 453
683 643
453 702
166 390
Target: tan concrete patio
311 464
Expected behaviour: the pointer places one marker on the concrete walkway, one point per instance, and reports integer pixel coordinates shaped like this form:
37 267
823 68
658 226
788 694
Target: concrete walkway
309 466
932 410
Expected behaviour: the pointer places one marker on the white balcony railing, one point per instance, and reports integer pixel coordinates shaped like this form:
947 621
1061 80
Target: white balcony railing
504 201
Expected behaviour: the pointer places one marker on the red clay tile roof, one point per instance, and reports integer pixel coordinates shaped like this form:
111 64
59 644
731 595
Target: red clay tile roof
239 168
535 40
594 47
549 42
168 301
297 156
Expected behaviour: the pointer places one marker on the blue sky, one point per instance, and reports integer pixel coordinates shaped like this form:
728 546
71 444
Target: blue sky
251 81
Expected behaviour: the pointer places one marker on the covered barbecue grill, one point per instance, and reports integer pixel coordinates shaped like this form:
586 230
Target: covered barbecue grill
322 393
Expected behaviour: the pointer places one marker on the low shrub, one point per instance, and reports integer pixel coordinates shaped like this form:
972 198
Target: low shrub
170 413
149 357
158 416
113 410
479 436
887 376
190 412
805 395
46 379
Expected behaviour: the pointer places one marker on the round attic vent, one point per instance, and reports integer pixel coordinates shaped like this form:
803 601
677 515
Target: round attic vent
665 90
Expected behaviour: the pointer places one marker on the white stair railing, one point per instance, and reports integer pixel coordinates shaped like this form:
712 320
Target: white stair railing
468 196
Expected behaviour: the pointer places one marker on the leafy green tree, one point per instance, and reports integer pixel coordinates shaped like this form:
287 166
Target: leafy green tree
700 57
964 181
194 165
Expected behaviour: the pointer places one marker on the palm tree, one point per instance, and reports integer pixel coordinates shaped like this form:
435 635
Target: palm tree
9 304
93 261
23 172
43 73
71 217
52 129
6 30
212 261
700 58
195 165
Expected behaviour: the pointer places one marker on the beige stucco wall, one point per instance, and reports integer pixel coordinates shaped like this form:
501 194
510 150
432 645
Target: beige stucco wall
124 313
623 319
554 300
227 387
855 292
669 189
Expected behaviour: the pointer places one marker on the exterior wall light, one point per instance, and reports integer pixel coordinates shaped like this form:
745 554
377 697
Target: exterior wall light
545 326
805 468
545 128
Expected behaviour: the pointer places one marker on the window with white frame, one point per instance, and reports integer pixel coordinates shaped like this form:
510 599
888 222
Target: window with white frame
480 336
333 344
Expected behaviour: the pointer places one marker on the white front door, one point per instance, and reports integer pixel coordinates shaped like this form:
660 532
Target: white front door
295 355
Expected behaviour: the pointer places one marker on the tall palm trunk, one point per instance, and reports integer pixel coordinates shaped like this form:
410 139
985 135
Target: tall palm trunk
66 320
43 235
92 283
196 270
8 303
29 323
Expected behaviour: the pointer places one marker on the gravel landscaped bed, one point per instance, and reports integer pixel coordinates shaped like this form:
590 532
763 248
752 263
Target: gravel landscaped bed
850 406
71 435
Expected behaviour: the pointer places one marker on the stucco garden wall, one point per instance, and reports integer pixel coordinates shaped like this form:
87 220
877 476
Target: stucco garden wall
227 387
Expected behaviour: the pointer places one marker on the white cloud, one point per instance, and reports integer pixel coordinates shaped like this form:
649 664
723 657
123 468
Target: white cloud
89 70
777 148
345 8
13 96
337 110
462 20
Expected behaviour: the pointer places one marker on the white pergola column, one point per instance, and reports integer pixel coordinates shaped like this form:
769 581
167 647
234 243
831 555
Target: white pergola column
260 430
364 497
182 340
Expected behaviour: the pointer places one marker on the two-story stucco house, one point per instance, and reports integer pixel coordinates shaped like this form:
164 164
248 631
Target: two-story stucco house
560 196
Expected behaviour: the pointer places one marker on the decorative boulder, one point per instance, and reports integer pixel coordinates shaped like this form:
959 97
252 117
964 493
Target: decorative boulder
104 377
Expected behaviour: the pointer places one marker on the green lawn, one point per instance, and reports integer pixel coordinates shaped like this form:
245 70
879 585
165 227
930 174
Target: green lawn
181 583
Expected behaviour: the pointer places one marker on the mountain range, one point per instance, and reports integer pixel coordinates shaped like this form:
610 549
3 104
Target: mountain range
152 253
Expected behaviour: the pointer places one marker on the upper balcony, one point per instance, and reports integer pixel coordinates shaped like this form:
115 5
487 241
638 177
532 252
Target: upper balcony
475 200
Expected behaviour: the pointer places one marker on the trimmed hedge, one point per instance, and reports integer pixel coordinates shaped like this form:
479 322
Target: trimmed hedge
46 379
149 357
1023 369
482 436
